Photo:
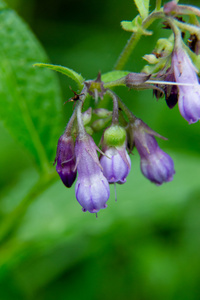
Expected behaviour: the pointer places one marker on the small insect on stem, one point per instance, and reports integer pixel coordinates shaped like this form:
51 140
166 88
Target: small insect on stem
75 98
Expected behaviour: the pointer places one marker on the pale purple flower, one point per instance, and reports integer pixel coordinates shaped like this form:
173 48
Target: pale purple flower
65 159
189 96
92 188
116 164
156 165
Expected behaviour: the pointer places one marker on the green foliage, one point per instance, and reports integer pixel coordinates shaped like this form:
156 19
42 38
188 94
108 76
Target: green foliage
143 7
145 246
30 98
66 71
113 75
135 26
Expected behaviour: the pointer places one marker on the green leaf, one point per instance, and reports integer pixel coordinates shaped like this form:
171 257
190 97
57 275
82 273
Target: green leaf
143 7
66 71
113 75
135 26
30 98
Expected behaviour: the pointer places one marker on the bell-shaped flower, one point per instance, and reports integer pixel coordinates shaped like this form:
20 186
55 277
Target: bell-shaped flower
92 188
65 158
189 95
116 164
156 165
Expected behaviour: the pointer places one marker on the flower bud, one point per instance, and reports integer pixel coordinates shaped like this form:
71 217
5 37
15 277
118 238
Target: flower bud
86 116
92 188
114 136
100 124
65 159
89 130
102 112
116 164
151 58
156 165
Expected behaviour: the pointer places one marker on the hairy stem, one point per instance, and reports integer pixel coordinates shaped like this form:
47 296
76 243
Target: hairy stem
158 4
124 56
78 112
115 116
127 111
134 39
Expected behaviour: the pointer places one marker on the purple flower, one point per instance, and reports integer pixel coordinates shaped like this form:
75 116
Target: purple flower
65 159
189 96
116 164
92 188
156 165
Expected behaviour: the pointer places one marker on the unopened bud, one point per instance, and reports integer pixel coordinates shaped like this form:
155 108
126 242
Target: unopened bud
100 124
86 116
114 136
151 58
89 130
65 159
102 112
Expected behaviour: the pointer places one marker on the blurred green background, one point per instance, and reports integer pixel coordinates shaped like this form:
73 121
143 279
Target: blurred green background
144 247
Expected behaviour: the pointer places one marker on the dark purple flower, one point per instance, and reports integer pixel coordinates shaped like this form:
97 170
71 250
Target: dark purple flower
189 96
170 91
65 159
156 165
116 164
92 188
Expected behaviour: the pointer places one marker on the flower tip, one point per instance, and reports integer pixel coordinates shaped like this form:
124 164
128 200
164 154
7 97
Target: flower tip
68 177
122 181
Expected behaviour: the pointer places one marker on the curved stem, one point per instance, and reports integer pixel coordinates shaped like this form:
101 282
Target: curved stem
70 124
176 32
129 113
126 52
158 4
134 39
115 115
191 28
78 112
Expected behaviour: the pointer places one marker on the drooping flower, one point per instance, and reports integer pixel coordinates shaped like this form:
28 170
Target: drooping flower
65 158
116 164
156 165
92 188
189 96
170 91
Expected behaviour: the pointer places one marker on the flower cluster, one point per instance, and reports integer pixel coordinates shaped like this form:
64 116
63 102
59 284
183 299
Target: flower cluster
77 153
170 73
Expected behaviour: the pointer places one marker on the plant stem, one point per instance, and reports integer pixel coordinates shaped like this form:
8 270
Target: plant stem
124 56
114 83
129 114
70 124
115 116
158 4
191 28
78 112
134 39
